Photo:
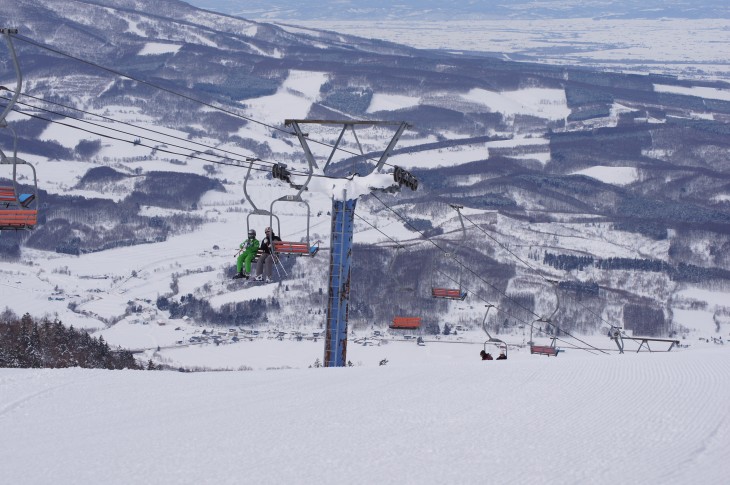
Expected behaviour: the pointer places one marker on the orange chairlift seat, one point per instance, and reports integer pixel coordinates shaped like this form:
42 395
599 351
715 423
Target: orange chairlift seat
448 293
17 211
406 322
8 198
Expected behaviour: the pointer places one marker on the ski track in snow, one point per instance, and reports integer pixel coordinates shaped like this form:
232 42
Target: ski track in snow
636 418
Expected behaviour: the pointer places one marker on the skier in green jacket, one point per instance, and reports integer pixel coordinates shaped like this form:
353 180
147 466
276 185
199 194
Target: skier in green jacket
246 254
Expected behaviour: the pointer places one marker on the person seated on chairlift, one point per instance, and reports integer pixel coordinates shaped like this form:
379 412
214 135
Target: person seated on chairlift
265 263
502 356
486 355
246 253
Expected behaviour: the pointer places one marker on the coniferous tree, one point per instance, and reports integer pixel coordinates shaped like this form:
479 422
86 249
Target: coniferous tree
27 343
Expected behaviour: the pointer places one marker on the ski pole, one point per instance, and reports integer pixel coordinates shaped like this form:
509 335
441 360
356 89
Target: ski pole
278 260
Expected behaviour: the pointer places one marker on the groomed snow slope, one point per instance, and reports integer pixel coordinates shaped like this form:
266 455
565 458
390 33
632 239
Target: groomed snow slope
578 418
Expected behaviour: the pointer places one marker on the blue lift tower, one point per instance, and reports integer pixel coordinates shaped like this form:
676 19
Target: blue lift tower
343 216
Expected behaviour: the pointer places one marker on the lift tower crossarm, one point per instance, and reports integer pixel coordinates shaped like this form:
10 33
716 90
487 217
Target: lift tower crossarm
402 125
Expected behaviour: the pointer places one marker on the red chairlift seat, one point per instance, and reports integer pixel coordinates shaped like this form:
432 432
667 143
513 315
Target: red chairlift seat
406 322
8 199
544 350
448 293
14 211
18 218
296 248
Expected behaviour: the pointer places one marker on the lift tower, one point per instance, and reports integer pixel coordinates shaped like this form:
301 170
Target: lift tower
343 215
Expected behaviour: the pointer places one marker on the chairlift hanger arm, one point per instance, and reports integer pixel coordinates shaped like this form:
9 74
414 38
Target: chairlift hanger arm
19 84
389 149
303 141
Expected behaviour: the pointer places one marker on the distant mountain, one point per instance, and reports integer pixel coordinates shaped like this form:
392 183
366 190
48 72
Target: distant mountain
560 162
480 9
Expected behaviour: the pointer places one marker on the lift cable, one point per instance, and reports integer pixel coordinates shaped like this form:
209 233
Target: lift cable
535 270
188 155
399 245
191 153
185 96
144 129
530 324
478 276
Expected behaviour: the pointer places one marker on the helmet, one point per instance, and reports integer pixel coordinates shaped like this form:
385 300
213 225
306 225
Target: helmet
252 233
268 229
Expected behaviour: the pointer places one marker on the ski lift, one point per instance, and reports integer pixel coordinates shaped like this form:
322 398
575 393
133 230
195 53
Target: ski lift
492 342
552 349
285 247
303 248
18 210
452 293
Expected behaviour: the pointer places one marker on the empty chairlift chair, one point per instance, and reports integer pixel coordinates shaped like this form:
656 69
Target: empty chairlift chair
18 210
552 349
408 323
448 293
452 293
493 343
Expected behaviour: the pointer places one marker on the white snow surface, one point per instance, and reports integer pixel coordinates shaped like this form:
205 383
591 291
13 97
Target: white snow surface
700 91
611 175
540 102
578 418
154 48
392 102
295 97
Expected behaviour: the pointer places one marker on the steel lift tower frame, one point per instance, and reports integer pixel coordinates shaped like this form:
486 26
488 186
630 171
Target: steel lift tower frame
343 216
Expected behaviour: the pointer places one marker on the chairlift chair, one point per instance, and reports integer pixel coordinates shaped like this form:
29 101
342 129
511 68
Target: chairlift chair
281 247
552 349
410 323
296 248
18 210
452 293
500 345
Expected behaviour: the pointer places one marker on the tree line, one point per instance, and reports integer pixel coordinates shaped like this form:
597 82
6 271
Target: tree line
29 343
681 272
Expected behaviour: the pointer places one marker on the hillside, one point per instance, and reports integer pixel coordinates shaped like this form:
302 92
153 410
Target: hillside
552 163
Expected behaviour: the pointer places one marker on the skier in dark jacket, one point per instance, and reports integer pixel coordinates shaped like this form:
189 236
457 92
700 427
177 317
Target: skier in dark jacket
266 261
486 355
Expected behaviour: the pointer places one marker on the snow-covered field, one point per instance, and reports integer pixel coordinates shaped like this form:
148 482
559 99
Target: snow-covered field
578 418
694 48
